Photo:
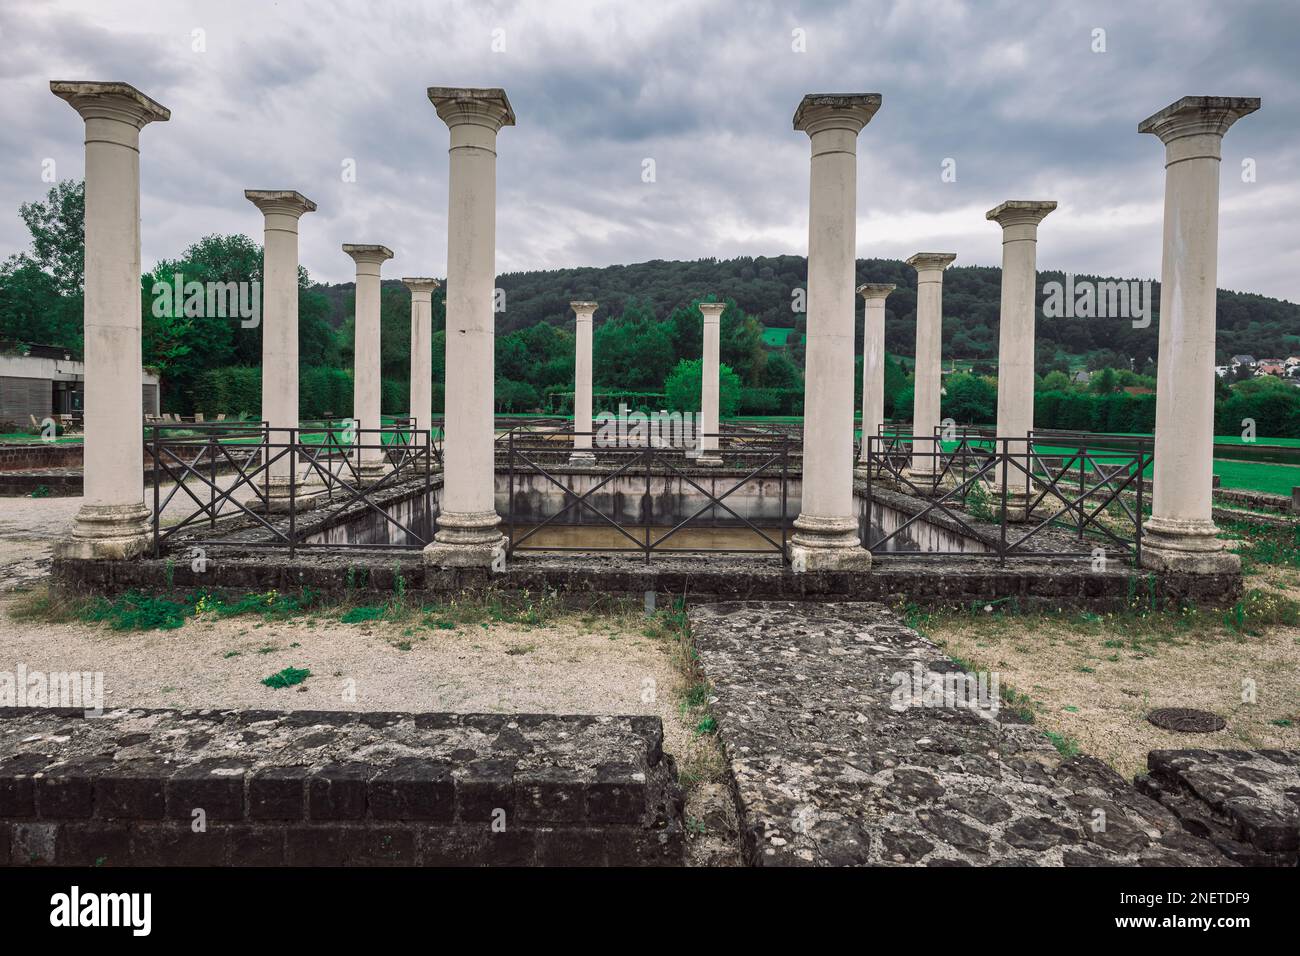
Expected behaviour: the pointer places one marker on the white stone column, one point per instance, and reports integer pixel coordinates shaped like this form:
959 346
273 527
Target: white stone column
927 376
468 524
113 522
1180 535
873 295
1019 220
710 383
281 209
826 531
366 383
582 453
421 350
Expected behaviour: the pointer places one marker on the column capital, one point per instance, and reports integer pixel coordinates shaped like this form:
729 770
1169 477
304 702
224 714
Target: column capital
368 254
1198 115
421 285
483 107
116 101
712 310
876 290
282 202
1020 212
931 261
583 308
823 111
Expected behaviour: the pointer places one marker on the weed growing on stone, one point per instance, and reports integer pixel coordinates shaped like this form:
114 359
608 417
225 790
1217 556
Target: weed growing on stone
1065 746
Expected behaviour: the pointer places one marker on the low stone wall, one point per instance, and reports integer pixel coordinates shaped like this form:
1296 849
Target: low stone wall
838 758
701 579
39 456
1260 499
333 788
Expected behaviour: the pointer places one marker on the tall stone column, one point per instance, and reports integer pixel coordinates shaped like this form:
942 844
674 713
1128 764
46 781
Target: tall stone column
421 350
281 209
873 295
1019 220
113 522
710 383
826 531
927 375
582 453
366 383
468 524
1180 534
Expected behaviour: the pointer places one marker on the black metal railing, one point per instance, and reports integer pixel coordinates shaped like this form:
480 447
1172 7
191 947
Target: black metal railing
277 474
1015 496
626 461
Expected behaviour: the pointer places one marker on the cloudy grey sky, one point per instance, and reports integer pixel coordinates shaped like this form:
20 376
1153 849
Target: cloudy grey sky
284 92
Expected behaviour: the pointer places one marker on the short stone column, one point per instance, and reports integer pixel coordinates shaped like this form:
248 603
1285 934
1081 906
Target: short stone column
873 295
366 382
710 384
927 376
1019 220
281 209
113 522
826 531
469 531
421 351
1180 535
582 453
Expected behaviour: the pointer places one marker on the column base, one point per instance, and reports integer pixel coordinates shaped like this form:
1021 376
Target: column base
278 502
583 459
1186 547
463 540
107 533
371 472
827 544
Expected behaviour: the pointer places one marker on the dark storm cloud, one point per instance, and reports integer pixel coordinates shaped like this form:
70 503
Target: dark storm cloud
286 93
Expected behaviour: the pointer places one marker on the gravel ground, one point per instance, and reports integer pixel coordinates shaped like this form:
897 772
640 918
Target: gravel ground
1095 686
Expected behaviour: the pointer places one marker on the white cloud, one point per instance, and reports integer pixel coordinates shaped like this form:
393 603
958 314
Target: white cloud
285 92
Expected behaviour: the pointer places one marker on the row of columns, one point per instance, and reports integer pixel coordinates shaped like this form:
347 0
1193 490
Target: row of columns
114 523
1180 534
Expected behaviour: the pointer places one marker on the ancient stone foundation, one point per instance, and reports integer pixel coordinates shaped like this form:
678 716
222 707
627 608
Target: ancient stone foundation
837 761
334 788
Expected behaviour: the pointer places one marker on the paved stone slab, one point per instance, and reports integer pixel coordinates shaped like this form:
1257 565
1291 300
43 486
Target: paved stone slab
828 772
1247 802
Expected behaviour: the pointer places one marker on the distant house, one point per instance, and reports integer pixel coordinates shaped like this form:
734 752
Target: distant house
1221 370
1081 378
43 381
1270 367
1246 360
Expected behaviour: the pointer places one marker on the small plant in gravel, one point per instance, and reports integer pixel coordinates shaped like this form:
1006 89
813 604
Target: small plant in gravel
287 677
363 613
138 612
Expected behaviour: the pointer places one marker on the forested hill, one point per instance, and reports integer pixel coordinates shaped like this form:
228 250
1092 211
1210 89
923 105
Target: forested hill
763 287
